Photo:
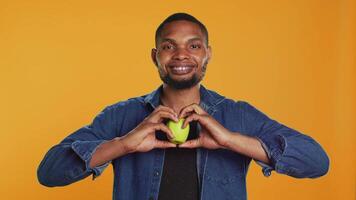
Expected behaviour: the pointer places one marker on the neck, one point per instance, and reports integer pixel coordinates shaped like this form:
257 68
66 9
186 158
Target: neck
178 99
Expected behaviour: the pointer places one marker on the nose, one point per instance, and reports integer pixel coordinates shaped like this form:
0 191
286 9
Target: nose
181 54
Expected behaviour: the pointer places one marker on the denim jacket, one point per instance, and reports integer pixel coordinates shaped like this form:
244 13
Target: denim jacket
221 172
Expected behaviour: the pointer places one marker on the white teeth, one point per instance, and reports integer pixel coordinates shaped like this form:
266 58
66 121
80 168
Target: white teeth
181 68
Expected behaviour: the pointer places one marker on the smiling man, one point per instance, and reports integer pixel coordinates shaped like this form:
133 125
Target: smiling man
225 134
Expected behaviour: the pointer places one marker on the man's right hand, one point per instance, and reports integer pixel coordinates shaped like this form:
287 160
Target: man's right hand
140 139
143 138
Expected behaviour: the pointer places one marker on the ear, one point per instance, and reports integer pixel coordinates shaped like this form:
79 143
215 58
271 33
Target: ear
153 56
209 53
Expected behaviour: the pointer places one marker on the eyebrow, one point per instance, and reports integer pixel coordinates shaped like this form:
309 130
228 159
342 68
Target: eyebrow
173 41
168 40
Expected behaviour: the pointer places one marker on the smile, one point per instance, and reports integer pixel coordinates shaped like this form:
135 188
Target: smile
181 69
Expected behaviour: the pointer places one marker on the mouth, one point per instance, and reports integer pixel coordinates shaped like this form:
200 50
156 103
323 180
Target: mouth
181 68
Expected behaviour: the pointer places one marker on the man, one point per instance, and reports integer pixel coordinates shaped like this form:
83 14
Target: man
225 134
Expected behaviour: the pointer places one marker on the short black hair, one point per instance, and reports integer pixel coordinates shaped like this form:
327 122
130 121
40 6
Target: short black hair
182 16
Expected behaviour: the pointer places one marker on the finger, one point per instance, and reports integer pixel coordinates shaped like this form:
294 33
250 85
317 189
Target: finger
192 117
191 108
165 108
191 144
164 144
164 128
185 110
159 116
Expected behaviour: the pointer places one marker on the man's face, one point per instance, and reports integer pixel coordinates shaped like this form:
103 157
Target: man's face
181 54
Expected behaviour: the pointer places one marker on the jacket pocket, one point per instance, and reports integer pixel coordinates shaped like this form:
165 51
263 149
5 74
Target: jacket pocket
224 167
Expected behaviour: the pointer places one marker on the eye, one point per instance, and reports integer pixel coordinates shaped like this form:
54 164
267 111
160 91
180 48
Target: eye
195 46
167 47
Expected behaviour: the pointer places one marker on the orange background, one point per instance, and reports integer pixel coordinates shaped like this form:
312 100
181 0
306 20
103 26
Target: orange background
62 62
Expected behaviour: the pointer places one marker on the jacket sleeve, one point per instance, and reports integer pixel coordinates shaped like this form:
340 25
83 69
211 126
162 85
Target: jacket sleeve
290 152
68 161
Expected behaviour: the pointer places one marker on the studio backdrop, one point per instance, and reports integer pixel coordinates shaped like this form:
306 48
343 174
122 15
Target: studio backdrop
62 62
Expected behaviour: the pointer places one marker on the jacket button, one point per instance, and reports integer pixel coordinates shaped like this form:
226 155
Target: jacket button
266 172
156 174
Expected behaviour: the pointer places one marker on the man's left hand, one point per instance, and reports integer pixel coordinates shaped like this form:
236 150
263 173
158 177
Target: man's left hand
212 135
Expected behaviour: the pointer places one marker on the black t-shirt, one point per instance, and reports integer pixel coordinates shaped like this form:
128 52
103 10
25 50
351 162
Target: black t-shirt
179 179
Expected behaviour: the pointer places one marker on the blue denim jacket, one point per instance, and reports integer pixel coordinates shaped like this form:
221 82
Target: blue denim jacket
222 173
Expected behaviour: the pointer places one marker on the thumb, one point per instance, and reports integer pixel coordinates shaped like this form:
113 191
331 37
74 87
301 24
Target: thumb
164 144
191 144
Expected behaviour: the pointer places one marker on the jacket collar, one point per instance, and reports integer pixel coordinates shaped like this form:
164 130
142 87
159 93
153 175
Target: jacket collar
208 99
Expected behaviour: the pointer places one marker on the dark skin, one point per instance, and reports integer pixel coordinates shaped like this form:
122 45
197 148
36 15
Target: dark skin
181 45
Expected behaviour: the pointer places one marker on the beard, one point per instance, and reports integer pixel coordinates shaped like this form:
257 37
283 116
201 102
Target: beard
183 84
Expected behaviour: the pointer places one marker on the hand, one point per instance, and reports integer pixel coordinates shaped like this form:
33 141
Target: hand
212 136
143 138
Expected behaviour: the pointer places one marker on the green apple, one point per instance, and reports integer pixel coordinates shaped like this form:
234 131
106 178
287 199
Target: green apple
180 134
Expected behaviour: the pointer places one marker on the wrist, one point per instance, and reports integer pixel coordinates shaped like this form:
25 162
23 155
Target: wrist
229 140
123 145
